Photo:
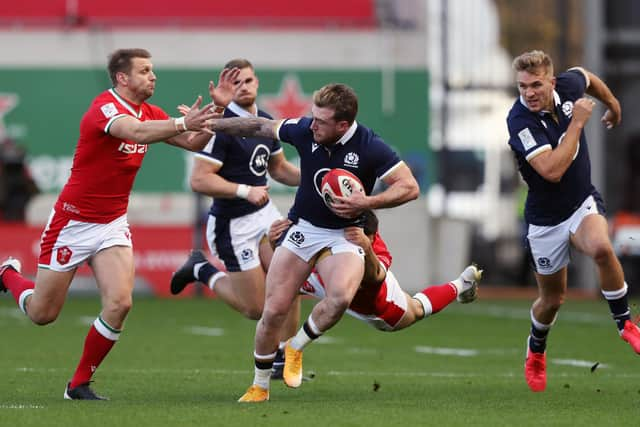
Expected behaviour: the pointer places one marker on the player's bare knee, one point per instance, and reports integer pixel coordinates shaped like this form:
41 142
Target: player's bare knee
338 304
552 304
43 317
253 313
603 254
273 317
119 306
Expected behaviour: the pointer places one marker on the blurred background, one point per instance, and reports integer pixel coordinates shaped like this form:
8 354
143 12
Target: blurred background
433 77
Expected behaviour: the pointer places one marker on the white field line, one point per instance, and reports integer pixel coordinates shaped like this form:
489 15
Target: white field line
523 313
204 330
470 352
20 406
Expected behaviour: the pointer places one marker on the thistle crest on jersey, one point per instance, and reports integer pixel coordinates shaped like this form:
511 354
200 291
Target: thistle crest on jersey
339 182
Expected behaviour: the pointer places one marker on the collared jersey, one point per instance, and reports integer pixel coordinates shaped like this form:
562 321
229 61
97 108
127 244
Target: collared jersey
551 203
104 167
360 151
242 160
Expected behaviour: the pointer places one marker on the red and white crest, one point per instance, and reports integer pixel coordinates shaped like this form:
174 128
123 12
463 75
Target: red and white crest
63 255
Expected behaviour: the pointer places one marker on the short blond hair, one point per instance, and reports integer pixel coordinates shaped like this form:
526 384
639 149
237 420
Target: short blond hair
533 62
340 98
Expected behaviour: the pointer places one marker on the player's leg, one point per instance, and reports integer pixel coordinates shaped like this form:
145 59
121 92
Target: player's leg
548 249
592 238
41 300
113 268
432 299
342 273
464 288
552 290
286 272
291 323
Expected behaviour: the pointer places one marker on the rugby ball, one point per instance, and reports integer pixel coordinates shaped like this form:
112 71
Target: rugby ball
339 182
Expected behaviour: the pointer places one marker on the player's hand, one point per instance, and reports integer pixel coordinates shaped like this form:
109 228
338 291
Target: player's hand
228 83
258 195
356 236
613 116
196 118
278 227
350 207
582 110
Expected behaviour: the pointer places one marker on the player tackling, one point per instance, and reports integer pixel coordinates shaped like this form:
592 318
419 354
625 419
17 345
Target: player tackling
330 138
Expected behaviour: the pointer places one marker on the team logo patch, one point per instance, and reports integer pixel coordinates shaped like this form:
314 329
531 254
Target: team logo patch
297 238
544 263
63 255
109 110
526 138
259 160
246 254
567 108
351 159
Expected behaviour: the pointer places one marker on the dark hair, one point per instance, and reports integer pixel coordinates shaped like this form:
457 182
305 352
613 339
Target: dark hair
120 61
340 98
369 222
239 63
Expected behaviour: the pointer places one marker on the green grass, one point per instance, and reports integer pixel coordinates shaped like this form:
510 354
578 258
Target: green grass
161 373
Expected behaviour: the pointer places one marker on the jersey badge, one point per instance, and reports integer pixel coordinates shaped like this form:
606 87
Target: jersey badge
109 110
259 160
567 108
526 138
351 159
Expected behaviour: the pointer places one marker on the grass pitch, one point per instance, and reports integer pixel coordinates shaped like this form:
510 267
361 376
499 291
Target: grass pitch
186 362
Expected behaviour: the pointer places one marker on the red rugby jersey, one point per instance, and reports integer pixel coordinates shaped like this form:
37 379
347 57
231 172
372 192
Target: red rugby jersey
104 167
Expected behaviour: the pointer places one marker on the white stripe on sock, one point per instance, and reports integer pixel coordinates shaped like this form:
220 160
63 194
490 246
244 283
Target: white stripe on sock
22 299
426 304
106 330
612 295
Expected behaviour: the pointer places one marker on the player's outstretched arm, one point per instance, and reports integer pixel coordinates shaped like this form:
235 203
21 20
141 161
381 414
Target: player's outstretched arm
152 131
246 126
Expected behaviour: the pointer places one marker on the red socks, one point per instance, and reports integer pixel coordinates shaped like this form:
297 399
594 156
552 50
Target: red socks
17 284
440 296
96 348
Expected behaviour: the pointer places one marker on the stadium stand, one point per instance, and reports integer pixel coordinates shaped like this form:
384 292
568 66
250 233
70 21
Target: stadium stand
196 13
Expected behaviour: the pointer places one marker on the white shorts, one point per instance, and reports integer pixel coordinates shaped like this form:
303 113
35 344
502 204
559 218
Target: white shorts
305 240
236 241
381 309
549 245
65 243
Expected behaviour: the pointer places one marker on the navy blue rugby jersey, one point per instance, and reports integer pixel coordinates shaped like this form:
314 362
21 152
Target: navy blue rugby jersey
242 160
360 151
551 203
